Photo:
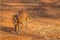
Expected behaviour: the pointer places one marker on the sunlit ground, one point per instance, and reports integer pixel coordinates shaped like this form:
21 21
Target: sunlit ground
40 28
37 29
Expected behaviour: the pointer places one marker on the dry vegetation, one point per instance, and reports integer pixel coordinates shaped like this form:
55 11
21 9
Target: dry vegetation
43 22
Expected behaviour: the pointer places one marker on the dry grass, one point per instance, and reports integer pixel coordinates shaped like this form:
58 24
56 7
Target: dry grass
37 29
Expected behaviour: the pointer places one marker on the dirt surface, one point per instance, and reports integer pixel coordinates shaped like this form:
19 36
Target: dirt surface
43 25
48 30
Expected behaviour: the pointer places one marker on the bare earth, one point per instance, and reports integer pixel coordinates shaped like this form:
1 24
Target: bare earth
49 30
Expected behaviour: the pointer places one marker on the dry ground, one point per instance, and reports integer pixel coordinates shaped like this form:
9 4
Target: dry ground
38 29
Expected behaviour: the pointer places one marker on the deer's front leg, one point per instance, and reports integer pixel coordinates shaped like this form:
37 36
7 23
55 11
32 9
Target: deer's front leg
16 27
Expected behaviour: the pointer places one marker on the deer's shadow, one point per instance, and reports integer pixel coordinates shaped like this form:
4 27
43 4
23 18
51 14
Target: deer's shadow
7 29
